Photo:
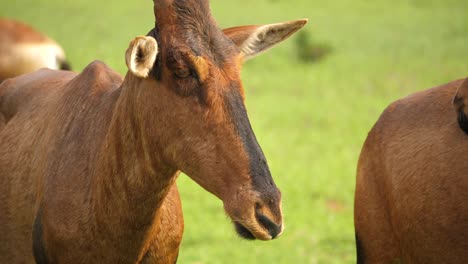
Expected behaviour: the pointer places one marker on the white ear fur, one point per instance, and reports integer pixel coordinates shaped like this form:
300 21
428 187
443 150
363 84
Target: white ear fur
267 36
141 55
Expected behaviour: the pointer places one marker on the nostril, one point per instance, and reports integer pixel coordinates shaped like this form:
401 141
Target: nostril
275 233
273 229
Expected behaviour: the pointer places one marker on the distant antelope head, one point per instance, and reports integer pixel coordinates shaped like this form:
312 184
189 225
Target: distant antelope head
24 49
193 71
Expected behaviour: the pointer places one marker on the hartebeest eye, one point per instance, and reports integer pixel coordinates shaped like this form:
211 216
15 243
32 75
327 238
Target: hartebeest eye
178 63
184 76
183 72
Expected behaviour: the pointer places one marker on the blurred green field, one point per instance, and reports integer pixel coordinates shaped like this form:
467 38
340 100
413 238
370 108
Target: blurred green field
310 118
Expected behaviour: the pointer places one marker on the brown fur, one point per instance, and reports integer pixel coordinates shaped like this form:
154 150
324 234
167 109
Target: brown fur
24 49
76 222
411 192
90 160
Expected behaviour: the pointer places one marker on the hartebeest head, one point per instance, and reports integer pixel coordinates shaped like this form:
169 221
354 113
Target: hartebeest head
193 71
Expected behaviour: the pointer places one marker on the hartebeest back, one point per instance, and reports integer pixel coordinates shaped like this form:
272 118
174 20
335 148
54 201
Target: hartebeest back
89 161
24 50
412 183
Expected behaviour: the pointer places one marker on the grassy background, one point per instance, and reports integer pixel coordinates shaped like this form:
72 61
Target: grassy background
311 119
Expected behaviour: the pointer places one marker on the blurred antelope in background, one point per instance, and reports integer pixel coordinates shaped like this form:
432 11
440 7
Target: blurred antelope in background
24 49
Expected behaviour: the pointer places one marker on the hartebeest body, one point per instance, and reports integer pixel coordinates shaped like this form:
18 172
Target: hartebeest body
89 161
24 50
412 183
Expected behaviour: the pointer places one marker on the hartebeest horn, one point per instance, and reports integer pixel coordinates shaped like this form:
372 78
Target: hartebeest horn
160 8
162 3
168 12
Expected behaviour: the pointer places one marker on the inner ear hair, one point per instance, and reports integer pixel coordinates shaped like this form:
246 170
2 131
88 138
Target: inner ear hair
141 55
254 40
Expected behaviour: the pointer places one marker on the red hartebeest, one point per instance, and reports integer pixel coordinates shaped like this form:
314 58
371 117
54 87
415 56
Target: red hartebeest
412 183
24 49
89 161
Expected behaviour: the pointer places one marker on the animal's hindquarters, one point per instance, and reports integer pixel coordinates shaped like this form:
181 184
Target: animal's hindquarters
375 239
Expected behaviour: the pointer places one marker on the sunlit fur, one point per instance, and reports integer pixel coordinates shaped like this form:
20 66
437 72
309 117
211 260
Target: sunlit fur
412 181
91 159
202 67
24 50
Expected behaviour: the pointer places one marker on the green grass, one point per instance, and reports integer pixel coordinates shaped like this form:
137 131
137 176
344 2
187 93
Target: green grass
311 119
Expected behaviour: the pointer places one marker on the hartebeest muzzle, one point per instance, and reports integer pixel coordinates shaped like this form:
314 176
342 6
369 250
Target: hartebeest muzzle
262 201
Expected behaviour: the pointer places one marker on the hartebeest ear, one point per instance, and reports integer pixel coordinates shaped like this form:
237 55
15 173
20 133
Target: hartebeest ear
253 40
140 55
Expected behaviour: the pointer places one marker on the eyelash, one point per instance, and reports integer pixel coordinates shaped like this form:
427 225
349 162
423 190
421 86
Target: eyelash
182 73
187 86
191 74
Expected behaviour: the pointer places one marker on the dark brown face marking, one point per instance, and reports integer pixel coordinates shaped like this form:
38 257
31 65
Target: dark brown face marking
259 171
194 33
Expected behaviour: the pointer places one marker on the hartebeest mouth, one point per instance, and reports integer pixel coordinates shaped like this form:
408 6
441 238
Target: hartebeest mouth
243 231
273 230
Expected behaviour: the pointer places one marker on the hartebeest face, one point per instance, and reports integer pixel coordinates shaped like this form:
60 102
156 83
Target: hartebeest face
199 98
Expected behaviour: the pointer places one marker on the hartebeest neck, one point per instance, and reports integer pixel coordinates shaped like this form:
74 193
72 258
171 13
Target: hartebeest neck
133 178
